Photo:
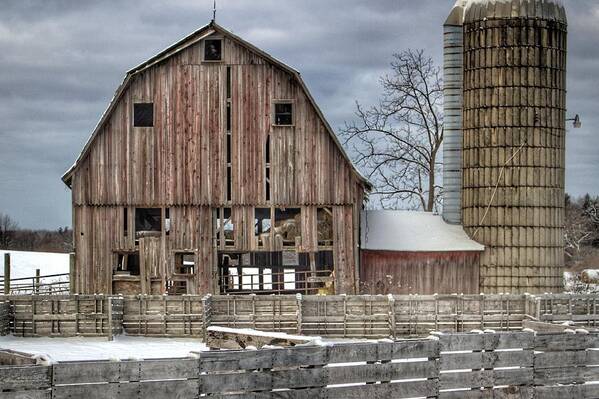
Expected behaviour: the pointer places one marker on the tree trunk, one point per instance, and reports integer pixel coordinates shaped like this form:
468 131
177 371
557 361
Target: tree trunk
430 203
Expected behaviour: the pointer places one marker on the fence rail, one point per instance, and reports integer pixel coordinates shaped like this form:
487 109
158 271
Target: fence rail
330 316
489 365
44 285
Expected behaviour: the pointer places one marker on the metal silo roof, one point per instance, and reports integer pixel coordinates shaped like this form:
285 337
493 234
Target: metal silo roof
476 10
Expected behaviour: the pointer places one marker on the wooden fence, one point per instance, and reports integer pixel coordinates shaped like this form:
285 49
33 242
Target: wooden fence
66 315
166 316
500 365
4 318
331 316
581 309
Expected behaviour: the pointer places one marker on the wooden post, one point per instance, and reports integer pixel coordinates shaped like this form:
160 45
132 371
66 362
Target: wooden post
206 309
392 324
109 310
72 278
37 281
298 305
7 274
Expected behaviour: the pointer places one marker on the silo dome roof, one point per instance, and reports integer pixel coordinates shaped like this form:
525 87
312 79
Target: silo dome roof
476 10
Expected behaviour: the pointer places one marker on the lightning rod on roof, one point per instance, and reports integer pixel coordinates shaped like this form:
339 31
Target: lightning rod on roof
214 11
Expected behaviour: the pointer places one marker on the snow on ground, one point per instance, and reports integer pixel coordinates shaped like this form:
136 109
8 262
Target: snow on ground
24 263
123 347
574 283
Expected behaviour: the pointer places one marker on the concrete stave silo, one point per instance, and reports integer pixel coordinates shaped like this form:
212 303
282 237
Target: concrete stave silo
513 140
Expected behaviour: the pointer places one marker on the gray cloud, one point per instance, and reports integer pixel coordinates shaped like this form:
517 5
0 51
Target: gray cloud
61 60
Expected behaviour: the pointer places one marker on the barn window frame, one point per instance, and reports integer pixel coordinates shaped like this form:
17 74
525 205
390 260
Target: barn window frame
275 114
222 225
140 110
281 216
125 262
179 259
222 49
325 238
263 226
156 225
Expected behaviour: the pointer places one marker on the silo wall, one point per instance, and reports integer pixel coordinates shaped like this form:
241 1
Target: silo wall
514 142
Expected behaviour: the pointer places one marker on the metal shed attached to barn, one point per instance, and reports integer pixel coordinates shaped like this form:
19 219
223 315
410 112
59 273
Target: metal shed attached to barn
405 252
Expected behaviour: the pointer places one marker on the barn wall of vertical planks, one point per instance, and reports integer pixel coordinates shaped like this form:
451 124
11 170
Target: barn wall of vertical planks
214 148
514 142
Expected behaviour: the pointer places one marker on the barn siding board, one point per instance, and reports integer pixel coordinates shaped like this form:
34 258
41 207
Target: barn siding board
383 272
181 164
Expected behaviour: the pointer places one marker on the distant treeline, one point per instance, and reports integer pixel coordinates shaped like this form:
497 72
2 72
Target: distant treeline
14 238
581 235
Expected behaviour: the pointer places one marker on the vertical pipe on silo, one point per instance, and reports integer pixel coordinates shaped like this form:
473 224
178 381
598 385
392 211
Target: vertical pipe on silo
453 46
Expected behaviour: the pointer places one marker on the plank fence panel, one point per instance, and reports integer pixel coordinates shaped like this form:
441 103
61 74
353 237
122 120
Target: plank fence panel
42 394
483 362
456 365
569 360
346 316
332 316
25 378
322 370
164 316
419 314
66 315
161 378
581 309
267 313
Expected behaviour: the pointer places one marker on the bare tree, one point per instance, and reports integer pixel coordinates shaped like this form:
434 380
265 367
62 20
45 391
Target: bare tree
577 234
8 229
397 141
581 230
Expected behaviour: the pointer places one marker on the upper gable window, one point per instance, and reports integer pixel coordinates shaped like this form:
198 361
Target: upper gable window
213 50
283 113
143 115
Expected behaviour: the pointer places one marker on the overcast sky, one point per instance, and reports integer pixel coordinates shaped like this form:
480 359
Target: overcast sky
61 61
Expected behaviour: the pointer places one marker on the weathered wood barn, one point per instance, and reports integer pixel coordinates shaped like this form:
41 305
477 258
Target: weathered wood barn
214 171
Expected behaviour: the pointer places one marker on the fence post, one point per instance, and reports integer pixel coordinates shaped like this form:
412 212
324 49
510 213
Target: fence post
37 281
7 274
110 320
298 305
206 315
72 273
392 326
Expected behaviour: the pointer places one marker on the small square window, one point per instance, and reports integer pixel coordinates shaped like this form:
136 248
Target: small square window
127 263
185 263
143 115
284 114
213 50
148 219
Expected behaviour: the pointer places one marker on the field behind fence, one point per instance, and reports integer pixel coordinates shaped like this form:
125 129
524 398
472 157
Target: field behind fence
329 316
500 365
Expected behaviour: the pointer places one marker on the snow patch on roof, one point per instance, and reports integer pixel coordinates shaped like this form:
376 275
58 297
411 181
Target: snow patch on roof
411 231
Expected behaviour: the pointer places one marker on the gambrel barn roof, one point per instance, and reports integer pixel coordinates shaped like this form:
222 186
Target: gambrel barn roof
186 42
